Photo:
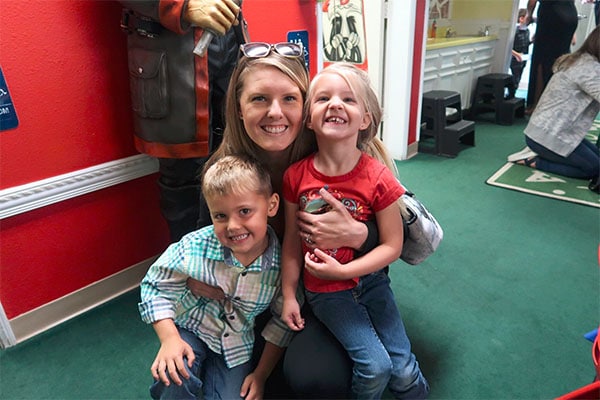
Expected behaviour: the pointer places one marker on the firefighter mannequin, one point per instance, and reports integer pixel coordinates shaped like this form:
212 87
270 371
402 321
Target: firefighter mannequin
177 96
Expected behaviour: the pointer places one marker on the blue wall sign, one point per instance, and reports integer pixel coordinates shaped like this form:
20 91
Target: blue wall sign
8 115
300 37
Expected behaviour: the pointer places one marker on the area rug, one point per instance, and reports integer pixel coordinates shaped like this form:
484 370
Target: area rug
539 183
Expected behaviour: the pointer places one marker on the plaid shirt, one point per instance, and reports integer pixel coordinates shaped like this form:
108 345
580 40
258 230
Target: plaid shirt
225 326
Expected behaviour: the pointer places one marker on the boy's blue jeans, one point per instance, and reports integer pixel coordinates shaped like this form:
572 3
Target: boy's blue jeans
209 376
368 324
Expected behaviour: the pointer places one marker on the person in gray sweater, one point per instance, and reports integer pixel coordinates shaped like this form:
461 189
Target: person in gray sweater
555 134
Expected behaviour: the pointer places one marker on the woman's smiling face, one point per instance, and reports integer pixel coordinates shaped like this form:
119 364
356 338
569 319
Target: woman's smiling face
271 106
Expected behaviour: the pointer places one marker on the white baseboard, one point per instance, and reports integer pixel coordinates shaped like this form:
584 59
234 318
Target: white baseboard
413 149
20 199
7 337
67 307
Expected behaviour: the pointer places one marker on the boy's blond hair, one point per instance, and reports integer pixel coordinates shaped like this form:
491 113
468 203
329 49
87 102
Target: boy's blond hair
236 174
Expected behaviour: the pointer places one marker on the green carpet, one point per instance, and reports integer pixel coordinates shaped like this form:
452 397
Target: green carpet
498 312
532 181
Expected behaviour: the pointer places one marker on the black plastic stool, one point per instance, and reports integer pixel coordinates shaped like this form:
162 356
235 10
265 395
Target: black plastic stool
490 95
448 130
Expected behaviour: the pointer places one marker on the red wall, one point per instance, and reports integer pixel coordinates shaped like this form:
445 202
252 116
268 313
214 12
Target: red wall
66 69
267 23
65 65
415 94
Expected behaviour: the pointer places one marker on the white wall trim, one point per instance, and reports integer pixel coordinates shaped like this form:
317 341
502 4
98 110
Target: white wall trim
23 198
71 305
7 337
398 77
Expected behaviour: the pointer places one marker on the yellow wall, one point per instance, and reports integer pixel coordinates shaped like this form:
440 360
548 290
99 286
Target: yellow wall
482 9
468 17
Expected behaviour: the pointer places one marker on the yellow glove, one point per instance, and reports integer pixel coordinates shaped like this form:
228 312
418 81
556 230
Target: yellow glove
216 16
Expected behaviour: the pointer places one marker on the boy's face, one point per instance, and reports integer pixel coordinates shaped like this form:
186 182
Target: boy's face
240 222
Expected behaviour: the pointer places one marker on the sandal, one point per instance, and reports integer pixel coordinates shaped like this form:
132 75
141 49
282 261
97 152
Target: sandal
520 155
528 162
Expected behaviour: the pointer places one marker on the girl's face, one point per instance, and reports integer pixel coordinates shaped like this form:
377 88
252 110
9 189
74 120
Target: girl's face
336 113
271 108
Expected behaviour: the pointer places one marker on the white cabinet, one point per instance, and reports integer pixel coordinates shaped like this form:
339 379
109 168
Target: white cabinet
458 67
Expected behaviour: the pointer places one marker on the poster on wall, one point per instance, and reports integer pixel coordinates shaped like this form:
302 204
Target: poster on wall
344 37
8 115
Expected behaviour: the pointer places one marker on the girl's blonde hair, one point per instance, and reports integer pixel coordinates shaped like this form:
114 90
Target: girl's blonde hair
590 46
360 84
235 138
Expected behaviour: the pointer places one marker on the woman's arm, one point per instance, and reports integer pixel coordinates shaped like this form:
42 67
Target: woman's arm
391 239
587 79
530 8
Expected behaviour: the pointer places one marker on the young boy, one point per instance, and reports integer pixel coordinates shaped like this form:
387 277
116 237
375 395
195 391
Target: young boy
206 344
520 50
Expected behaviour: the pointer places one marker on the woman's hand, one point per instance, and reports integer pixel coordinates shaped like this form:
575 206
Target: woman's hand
333 229
201 289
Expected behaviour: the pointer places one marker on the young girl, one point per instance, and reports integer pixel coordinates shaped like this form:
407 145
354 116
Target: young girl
351 296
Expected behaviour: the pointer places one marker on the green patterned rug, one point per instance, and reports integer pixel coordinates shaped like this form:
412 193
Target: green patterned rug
539 183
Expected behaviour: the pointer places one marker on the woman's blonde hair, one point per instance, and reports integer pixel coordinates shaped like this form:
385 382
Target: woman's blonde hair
590 46
235 138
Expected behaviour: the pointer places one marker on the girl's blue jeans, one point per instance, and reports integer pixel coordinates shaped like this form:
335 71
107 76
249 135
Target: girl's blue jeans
367 323
209 376
582 163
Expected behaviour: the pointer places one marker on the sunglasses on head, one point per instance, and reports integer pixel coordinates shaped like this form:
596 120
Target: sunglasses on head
262 49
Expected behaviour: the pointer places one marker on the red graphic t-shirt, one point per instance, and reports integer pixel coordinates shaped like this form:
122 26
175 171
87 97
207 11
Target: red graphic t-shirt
368 188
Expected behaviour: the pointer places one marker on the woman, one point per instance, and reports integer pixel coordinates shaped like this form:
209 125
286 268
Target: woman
264 119
556 24
555 134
